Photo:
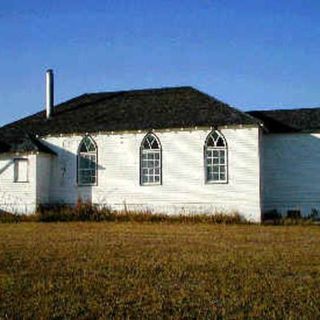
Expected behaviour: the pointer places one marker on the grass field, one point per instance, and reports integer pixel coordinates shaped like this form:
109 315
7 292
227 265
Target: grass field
159 271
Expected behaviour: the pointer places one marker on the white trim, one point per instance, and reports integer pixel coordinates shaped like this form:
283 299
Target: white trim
16 174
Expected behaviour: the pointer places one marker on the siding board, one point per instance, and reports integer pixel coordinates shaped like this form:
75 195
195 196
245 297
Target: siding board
183 187
19 197
291 172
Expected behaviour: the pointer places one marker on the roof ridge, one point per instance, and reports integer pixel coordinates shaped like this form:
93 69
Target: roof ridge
282 109
144 90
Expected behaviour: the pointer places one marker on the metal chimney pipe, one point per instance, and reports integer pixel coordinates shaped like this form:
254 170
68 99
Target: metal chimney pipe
49 93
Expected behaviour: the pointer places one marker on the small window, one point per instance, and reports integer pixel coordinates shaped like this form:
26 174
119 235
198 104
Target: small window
150 161
215 154
20 170
87 162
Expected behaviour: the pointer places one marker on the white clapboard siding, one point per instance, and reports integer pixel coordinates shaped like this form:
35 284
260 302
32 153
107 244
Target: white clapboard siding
43 174
291 172
183 186
19 197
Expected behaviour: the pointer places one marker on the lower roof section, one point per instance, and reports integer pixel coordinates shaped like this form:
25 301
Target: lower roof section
289 121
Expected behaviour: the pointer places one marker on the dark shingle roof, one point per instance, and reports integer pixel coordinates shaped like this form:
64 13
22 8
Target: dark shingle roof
286 121
4 147
129 110
23 142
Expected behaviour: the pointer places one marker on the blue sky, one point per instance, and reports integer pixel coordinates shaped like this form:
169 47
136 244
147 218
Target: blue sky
251 54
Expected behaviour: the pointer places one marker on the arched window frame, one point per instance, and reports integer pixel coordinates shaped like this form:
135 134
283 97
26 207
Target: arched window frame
93 155
150 175
216 159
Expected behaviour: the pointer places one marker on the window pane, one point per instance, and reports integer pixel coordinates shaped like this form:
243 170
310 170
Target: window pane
215 136
92 162
216 177
84 179
215 153
83 148
146 144
90 146
210 142
84 162
154 144
220 142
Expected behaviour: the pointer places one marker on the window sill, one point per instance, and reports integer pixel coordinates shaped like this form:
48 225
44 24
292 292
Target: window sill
20 181
217 182
150 184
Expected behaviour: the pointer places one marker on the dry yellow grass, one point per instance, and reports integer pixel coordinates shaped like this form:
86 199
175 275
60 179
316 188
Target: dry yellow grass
158 271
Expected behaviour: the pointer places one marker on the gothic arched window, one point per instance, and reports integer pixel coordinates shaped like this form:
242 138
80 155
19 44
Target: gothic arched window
150 160
87 162
215 155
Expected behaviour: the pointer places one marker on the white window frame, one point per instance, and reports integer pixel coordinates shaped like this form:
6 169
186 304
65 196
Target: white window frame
87 154
16 178
147 156
216 161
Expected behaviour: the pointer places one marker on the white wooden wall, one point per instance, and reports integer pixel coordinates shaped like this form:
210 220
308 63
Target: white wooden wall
183 187
291 175
19 197
43 174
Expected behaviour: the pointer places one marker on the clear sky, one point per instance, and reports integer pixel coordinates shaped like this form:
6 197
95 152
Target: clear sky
251 54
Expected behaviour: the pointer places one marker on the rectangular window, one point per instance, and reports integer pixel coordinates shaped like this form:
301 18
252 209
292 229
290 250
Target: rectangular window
21 170
216 165
150 167
87 169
